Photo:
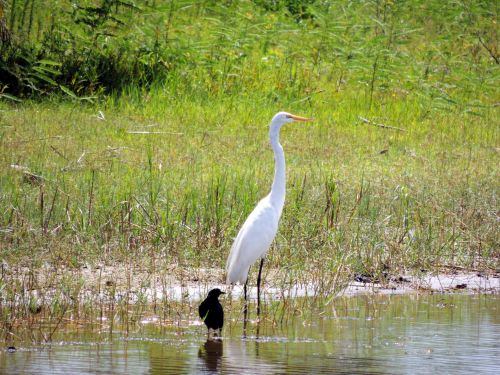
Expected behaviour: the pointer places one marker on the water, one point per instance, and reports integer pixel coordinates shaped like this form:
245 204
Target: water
398 334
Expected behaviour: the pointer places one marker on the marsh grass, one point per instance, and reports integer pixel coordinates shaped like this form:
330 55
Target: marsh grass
163 170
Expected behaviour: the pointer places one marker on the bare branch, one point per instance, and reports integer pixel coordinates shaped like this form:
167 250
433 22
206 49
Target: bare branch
146 132
366 121
492 54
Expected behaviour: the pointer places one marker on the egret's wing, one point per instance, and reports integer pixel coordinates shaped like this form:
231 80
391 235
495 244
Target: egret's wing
252 242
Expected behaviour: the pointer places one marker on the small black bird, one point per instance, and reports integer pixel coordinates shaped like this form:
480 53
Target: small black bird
211 311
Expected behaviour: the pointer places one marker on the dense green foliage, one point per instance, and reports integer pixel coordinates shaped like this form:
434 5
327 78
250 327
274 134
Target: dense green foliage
202 78
89 47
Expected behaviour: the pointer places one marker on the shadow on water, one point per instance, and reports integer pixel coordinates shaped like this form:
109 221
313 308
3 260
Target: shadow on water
211 353
243 357
456 334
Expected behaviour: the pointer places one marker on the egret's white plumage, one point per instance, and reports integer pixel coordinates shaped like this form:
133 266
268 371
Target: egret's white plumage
258 231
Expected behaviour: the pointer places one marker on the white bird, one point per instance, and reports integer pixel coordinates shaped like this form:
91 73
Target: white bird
258 231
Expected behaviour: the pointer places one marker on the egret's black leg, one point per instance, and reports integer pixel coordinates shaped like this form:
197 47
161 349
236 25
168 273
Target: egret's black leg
258 286
245 309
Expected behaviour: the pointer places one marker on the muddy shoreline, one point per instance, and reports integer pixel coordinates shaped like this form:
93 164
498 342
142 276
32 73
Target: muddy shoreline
178 284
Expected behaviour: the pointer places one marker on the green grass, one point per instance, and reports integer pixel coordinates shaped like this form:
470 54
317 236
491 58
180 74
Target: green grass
429 199
361 198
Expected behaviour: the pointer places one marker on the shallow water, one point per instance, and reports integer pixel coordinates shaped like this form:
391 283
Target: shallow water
398 334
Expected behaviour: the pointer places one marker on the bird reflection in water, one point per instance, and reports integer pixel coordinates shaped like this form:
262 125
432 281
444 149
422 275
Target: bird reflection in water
211 353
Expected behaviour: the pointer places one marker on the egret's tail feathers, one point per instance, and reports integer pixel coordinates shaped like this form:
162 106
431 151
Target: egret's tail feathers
236 275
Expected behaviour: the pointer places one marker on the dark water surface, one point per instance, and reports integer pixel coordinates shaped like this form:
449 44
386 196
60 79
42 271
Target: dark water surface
399 334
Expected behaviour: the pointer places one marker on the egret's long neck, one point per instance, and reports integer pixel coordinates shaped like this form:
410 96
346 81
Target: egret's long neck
278 189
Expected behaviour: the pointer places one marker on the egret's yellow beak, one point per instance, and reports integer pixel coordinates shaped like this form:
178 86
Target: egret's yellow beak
299 118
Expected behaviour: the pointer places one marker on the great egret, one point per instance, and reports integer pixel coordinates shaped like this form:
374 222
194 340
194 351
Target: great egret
258 231
211 311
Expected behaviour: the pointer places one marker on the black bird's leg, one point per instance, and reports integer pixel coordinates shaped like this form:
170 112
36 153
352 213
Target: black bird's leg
258 286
